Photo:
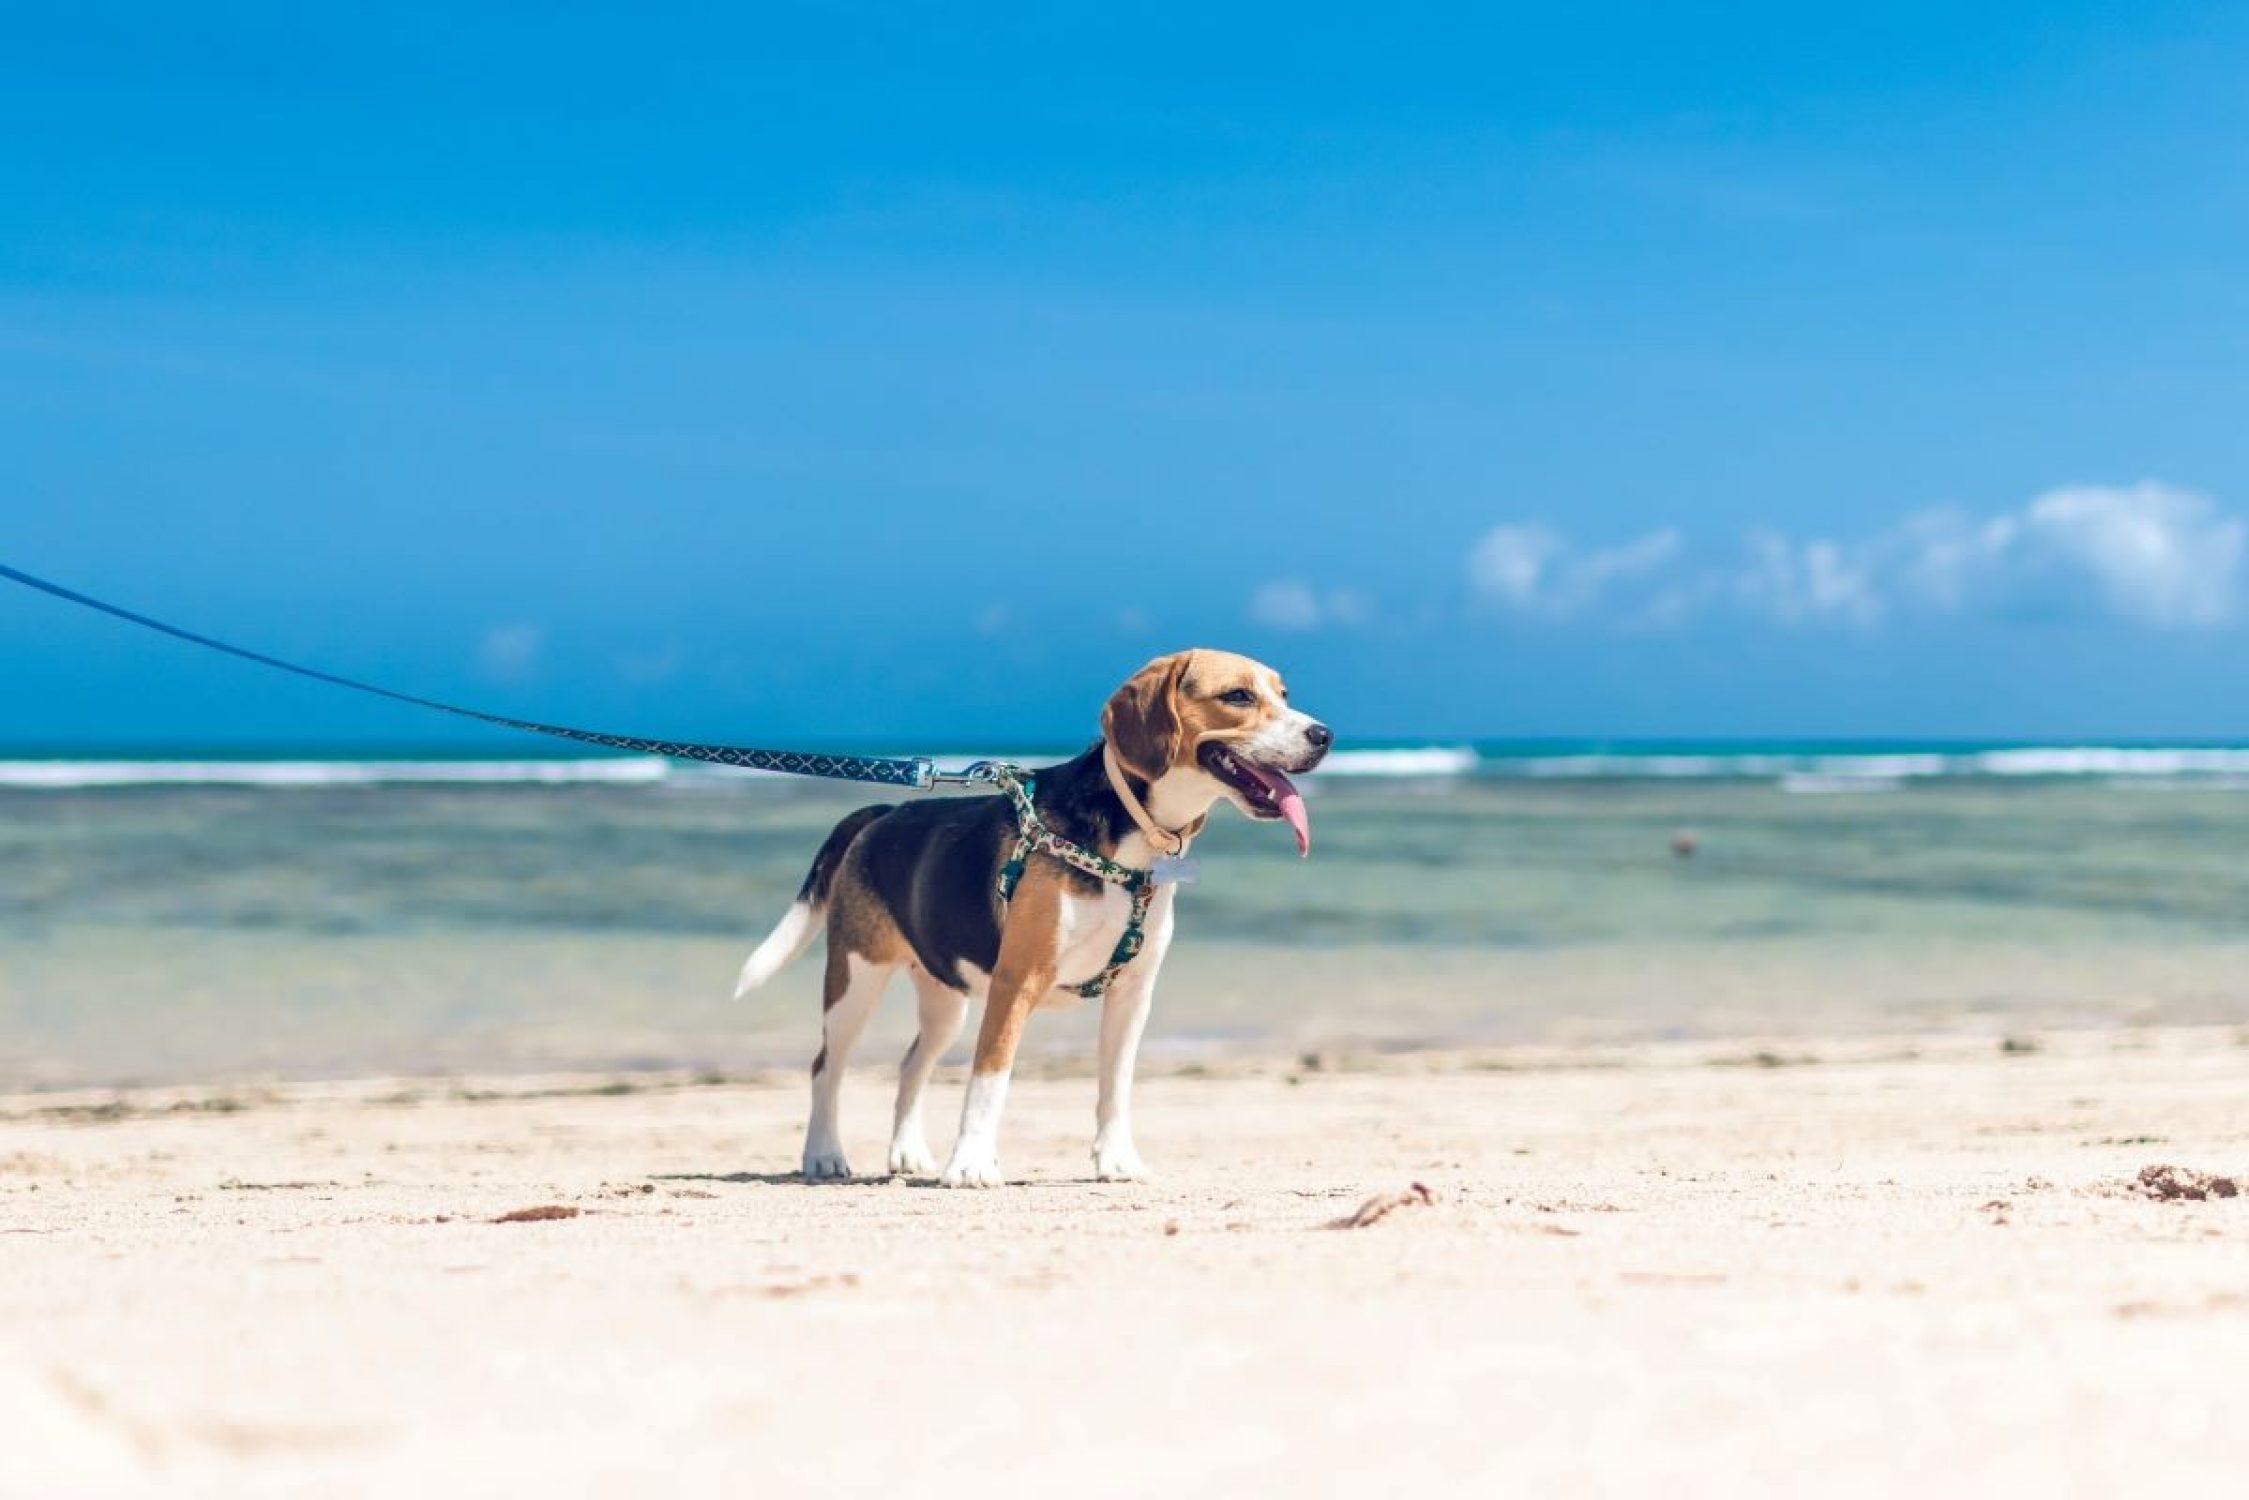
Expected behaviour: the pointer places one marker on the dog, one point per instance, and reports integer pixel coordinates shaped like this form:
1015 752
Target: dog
916 887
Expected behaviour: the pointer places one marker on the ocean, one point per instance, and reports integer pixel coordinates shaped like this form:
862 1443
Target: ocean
182 915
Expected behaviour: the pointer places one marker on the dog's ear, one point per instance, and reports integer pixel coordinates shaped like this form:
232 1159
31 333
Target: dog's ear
1141 720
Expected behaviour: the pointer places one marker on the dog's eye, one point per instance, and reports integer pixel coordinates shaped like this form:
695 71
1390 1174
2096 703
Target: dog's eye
1238 698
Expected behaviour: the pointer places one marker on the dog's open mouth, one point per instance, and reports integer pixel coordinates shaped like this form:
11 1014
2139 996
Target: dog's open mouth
1264 791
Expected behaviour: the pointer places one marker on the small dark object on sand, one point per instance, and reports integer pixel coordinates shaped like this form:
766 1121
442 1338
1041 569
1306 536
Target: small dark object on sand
2169 1184
1684 843
1382 1205
539 1214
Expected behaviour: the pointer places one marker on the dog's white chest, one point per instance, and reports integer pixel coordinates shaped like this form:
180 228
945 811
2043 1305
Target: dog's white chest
1090 928
1087 932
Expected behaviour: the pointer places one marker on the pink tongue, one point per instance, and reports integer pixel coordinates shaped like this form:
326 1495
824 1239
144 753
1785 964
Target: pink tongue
1288 799
1291 803
1292 808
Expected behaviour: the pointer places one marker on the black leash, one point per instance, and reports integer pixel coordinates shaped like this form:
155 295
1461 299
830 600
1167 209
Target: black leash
917 771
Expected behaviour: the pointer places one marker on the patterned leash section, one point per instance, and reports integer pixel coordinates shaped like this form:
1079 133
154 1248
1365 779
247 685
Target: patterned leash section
890 770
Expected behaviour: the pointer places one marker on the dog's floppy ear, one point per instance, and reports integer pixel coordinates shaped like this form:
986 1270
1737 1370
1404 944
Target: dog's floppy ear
1141 721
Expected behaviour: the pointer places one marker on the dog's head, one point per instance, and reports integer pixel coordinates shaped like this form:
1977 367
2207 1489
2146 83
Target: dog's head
1217 723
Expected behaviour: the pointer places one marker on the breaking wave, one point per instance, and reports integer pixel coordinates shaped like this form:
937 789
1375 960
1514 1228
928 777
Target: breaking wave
1795 769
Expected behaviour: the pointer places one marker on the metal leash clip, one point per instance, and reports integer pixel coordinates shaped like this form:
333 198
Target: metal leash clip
976 773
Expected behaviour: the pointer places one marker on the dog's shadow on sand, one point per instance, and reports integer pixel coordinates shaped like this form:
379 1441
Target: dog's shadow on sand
798 1179
769 1179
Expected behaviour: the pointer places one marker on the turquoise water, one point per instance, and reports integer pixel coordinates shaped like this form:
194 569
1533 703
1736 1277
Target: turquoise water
152 930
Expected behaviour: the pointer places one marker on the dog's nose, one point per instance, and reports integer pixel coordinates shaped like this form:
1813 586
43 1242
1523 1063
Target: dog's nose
1319 736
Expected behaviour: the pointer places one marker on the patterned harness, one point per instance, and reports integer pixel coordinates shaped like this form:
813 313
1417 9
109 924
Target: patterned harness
1032 835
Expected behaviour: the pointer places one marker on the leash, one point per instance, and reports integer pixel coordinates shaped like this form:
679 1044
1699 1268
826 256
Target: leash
917 771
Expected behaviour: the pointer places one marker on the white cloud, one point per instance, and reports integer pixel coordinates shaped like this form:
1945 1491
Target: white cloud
2147 553
510 653
2164 556
1510 564
1533 570
1290 604
1285 605
1942 559
1349 607
1799 582
1634 560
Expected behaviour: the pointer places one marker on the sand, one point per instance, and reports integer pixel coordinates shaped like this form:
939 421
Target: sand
1834 1267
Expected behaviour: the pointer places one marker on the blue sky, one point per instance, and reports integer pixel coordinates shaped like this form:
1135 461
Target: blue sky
846 372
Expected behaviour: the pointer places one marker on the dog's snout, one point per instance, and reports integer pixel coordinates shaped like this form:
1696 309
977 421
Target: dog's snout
1318 735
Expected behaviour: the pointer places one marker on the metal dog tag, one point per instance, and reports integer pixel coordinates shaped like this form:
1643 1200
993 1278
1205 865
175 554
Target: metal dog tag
1175 869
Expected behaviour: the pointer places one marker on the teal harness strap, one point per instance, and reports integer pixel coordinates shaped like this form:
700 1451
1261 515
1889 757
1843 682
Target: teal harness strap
1033 836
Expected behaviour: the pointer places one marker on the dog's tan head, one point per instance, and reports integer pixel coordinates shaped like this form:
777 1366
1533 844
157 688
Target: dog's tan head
1210 725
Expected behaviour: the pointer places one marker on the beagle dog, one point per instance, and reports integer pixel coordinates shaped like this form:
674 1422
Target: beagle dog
916 887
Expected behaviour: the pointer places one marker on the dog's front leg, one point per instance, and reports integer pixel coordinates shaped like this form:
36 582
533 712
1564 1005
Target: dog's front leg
1124 1015
976 1153
1124 1012
1022 977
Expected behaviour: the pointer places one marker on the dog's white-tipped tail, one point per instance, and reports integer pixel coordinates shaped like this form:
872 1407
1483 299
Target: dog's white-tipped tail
789 938
796 931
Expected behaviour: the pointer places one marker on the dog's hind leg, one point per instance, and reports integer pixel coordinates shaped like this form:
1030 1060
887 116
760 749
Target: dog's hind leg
942 1010
854 984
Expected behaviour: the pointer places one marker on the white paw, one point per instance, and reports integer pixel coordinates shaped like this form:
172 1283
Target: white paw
973 1165
911 1157
821 1166
1117 1162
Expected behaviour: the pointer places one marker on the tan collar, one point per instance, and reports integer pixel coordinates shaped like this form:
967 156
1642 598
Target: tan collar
1165 840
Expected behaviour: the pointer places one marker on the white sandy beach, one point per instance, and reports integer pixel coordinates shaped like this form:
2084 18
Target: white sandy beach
1658 596
1864 1266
